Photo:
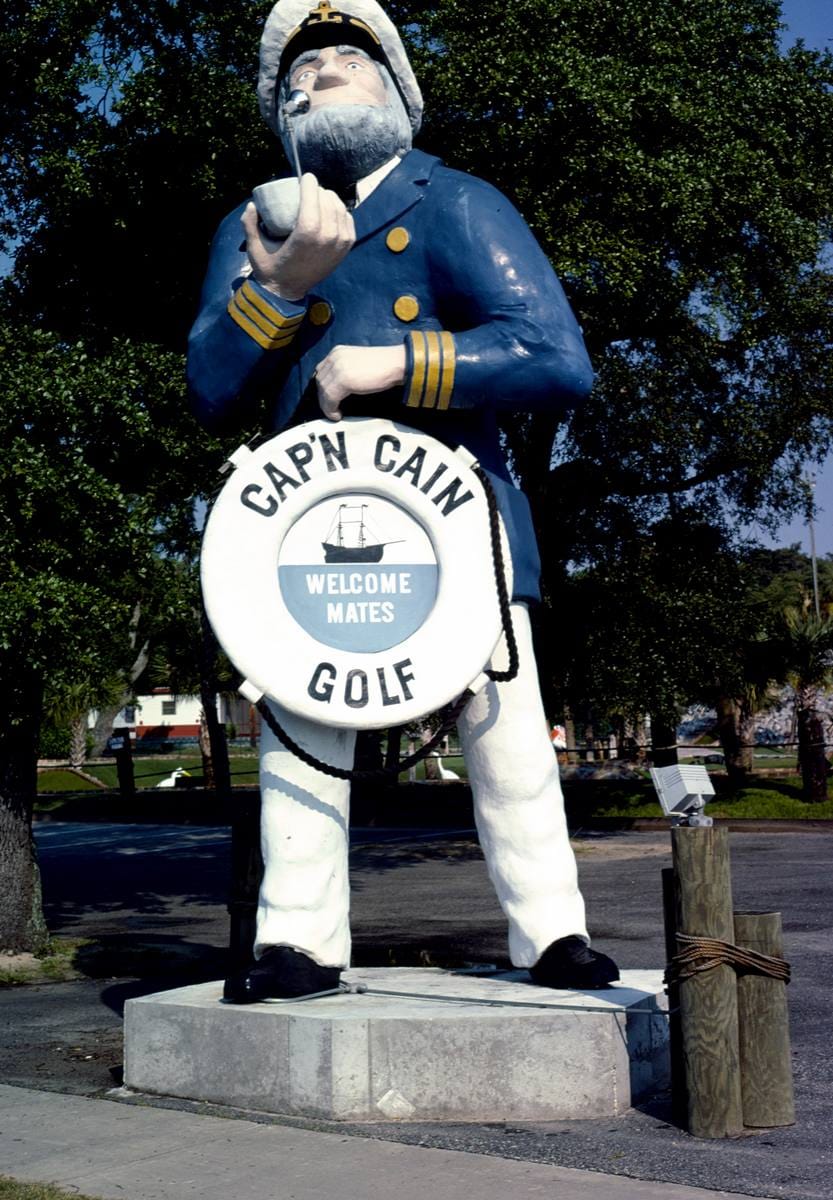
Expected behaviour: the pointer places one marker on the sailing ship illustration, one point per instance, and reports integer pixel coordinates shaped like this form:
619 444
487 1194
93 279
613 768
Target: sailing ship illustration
350 541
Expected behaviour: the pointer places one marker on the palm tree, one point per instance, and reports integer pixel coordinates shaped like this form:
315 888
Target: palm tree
807 644
736 715
68 705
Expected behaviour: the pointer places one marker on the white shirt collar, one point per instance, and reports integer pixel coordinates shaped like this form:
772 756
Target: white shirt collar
370 182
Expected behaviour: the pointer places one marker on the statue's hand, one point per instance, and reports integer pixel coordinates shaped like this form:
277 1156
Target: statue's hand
323 235
357 371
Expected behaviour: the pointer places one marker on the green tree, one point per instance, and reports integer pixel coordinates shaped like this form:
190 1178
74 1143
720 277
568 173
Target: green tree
675 165
673 162
646 629
68 704
131 131
758 661
807 648
91 485
186 659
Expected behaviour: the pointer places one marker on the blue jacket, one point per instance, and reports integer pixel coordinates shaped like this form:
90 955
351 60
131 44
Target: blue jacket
442 261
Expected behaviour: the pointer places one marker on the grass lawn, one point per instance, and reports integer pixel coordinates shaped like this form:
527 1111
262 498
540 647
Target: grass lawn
68 958
56 965
10 1189
147 772
56 780
776 756
763 799
766 797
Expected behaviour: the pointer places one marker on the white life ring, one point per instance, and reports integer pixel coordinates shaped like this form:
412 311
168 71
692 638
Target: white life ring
347 571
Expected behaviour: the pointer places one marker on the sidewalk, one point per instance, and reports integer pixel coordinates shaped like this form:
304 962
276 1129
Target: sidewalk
126 1152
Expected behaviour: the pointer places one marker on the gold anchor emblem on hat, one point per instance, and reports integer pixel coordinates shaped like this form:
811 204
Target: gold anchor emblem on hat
325 12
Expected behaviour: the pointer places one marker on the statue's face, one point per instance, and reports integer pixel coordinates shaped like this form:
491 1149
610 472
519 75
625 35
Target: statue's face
338 75
356 120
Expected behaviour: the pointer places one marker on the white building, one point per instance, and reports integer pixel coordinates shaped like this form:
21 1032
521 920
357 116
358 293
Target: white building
163 716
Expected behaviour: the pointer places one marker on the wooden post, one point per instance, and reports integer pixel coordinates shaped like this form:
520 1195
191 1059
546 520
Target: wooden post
670 907
708 1001
765 1066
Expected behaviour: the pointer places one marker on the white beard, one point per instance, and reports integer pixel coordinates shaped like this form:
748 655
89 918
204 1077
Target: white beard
342 143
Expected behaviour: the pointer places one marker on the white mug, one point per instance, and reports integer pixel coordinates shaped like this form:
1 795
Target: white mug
277 203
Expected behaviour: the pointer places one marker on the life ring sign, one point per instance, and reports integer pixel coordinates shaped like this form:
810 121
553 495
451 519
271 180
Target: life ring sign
347 571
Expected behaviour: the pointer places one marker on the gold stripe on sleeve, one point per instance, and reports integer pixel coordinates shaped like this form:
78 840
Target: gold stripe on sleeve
432 381
418 374
279 321
267 334
447 379
271 330
239 318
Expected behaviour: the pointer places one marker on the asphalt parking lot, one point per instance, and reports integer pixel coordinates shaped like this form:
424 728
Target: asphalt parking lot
154 897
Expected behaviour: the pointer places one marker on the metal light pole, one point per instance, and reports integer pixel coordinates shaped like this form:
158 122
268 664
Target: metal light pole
810 484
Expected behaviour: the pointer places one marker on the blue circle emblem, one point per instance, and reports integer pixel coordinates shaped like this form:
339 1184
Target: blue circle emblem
358 573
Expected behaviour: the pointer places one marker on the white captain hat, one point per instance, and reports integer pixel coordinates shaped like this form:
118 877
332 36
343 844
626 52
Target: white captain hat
292 27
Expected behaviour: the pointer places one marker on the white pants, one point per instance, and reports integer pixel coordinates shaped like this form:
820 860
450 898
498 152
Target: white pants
518 808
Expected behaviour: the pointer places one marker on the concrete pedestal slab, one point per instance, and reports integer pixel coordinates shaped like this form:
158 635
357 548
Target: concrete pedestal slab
419 1044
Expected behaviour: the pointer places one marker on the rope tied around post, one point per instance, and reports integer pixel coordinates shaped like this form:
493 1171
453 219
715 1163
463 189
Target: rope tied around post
699 954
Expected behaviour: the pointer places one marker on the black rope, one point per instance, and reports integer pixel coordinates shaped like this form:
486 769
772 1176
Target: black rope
450 716
500 581
451 713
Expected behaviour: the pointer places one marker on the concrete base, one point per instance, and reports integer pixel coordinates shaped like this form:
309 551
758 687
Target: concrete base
419 1045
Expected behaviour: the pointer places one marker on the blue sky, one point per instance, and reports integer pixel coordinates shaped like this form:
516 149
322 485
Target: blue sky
811 20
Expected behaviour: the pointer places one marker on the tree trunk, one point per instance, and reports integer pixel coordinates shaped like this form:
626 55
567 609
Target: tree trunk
641 737
747 737
570 736
207 757
432 766
811 755
633 740
103 728
589 743
732 728
22 925
78 740
394 749
664 740
368 756
618 750
218 769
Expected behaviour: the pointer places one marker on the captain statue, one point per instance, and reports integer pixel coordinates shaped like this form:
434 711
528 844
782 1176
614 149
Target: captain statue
414 292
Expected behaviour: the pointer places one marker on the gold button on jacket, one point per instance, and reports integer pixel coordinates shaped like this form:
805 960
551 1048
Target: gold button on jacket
398 239
406 308
320 312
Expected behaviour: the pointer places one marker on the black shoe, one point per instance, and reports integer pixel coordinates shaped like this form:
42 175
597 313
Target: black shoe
280 974
570 963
